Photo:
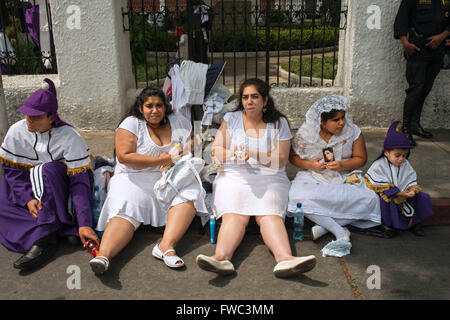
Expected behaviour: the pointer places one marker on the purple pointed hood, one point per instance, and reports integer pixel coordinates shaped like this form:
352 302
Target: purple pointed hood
396 139
43 101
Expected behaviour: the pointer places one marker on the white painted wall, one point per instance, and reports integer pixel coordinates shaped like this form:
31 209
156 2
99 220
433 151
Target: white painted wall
374 73
94 62
95 82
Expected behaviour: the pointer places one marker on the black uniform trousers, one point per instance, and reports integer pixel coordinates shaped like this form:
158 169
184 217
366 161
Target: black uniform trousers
421 70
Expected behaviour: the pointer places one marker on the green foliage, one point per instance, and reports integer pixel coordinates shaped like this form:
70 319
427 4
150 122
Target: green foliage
153 72
283 39
316 67
146 37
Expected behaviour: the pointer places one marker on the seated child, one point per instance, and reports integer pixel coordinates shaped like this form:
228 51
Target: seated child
403 204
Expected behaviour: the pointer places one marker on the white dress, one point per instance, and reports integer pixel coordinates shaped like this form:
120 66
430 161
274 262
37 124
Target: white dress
336 199
251 188
130 191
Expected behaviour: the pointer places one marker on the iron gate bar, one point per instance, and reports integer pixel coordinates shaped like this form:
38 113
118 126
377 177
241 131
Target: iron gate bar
234 44
257 15
268 22
279 39
132 39
245 40
223 39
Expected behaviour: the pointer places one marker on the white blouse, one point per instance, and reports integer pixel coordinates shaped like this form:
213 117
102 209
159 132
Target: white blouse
181 131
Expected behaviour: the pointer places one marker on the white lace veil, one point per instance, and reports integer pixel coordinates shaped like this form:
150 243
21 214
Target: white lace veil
308 134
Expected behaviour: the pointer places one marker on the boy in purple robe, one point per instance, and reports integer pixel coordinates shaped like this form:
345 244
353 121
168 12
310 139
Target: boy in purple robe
403 204
45 189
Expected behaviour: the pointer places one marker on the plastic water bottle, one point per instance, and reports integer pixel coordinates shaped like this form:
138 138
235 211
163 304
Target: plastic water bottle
97 200
212 229
95 204
92 247
299 219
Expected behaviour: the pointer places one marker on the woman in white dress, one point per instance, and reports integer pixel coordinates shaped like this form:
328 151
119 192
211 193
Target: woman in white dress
144 142
330 196
253 144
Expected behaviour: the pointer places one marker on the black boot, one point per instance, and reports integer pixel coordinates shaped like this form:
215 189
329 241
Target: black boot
40 252
418 230
418 130
407 130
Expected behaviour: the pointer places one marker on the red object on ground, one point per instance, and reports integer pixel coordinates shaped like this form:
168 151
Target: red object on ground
92 247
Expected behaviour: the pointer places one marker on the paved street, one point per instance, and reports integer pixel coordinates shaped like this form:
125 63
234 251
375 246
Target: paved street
404 267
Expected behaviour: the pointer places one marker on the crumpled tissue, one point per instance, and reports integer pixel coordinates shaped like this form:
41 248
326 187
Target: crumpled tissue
338 248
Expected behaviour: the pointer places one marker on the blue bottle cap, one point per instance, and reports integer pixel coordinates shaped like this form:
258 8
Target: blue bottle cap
299 205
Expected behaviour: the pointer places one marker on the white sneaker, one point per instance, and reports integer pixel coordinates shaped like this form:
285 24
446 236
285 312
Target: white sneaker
315 232
347 236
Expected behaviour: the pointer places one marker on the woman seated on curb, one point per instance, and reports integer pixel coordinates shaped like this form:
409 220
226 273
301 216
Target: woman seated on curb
253 143
144 142
46 164
320 185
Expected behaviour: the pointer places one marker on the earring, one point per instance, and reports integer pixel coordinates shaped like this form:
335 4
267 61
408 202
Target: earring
264 109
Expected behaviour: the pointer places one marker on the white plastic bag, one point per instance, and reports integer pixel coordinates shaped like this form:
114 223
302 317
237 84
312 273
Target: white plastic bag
182 174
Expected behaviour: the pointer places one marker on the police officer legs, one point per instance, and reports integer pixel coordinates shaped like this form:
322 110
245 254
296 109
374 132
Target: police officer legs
423 27
421 71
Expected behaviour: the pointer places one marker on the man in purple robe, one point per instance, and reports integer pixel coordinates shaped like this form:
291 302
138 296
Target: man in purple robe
45 190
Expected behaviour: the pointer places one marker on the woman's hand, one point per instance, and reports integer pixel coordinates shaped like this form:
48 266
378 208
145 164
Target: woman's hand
318 166
87 233
166 159
175 153
334 166
33 207
240 154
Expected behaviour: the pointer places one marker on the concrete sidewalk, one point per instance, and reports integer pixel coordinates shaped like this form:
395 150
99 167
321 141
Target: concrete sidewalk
403 267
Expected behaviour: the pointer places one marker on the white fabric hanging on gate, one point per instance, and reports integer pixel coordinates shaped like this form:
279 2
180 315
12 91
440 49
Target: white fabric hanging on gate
179 99
193 75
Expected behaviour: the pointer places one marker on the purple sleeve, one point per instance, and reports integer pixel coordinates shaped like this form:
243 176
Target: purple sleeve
80 191
391 191
19 185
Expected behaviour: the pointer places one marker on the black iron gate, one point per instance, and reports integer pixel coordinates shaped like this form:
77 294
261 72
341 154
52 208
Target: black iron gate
26 37
289 43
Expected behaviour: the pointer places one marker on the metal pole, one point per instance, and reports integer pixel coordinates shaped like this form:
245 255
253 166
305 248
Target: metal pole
3 116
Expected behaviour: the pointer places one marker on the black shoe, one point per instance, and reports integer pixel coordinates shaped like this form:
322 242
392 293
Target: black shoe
73 240
35 257
40 252
407 131
419 131
411 140
380 231
418 230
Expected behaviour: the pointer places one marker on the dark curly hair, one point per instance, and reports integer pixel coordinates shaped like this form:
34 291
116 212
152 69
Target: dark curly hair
325 116
271 114
140 100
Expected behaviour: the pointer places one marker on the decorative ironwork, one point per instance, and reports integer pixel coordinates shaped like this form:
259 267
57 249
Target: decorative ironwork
289 43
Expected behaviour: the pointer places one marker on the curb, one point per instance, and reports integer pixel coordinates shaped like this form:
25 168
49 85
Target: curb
441 209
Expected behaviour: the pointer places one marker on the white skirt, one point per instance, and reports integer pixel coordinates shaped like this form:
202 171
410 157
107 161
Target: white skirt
131 194
339 201
243 192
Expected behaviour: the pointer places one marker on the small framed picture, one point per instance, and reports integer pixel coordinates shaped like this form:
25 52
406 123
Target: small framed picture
328 154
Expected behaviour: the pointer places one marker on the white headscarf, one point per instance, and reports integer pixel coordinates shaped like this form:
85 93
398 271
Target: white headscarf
307 136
